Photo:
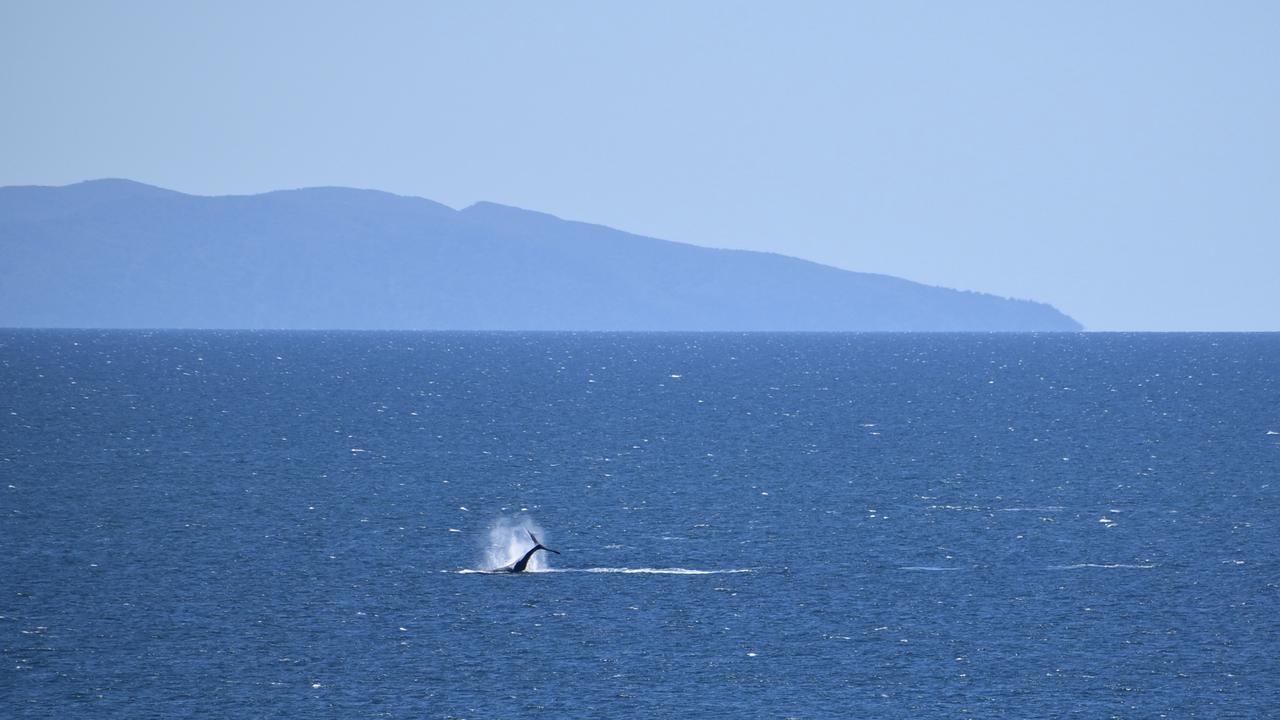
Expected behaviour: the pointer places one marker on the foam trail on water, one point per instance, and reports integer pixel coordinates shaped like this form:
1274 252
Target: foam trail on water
652 571
509 540
1105 566
627 571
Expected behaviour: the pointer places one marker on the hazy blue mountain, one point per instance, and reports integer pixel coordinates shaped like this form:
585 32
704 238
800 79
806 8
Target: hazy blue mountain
119 254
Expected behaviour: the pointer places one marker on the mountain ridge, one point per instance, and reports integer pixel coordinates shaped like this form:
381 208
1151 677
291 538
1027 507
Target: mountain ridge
118 253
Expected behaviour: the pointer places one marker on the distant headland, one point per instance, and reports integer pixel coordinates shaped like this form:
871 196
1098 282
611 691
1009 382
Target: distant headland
120 254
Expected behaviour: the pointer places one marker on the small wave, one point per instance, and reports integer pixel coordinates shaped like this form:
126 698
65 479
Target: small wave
1043 508
929 568
1106 566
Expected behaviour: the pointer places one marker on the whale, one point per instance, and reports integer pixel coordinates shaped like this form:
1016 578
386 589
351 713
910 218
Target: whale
523 563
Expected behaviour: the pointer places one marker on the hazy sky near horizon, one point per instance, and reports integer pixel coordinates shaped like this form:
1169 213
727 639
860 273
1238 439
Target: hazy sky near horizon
1118 160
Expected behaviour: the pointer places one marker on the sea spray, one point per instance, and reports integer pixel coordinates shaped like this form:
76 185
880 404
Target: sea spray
509 540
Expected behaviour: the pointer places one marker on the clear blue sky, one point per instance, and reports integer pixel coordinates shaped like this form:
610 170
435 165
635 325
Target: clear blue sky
1120 160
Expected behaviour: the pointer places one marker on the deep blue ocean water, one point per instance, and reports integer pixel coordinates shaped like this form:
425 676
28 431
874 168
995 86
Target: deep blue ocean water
234 525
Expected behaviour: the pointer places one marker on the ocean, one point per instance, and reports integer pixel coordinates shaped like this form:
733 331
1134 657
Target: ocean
293 524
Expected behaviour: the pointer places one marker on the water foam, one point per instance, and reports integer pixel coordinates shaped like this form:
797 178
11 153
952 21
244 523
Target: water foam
509 540
651 571
1105 566
620 570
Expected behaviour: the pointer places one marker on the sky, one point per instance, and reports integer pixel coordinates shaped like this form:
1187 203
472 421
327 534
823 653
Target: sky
1119 160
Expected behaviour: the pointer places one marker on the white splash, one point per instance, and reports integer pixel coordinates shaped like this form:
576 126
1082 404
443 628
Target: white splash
509 541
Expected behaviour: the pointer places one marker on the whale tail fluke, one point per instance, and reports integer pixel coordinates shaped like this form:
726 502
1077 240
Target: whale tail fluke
538 544
523 563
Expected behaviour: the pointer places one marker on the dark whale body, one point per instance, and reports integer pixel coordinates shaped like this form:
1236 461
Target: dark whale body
522 563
